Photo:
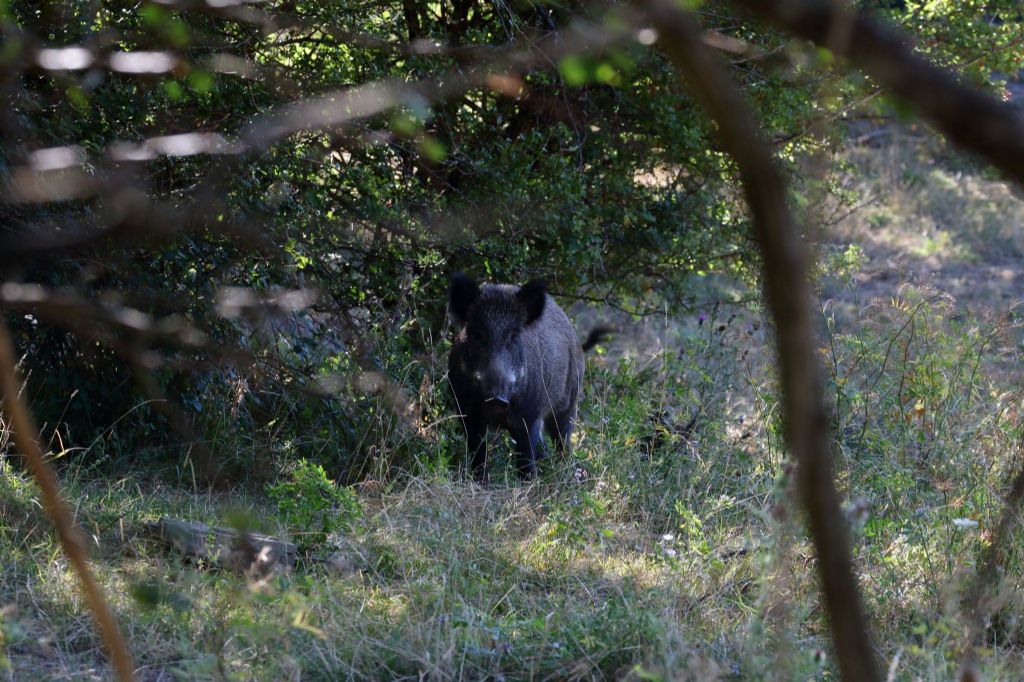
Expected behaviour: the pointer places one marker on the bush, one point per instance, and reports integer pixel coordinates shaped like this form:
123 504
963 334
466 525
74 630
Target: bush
312 505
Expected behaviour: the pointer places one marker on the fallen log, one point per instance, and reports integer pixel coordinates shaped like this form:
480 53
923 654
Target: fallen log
251 553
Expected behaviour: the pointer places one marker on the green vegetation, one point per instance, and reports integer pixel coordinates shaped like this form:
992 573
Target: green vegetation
309 500
668 546
661 550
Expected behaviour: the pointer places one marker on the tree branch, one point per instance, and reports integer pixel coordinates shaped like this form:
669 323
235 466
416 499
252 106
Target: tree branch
788 296
970 118
26 437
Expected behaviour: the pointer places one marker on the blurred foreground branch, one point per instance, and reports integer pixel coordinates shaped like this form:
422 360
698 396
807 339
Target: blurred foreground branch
58 174
972 119
975 604
147 343
26 438
788 296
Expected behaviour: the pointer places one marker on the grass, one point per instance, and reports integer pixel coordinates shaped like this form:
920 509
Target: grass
441 579
661 550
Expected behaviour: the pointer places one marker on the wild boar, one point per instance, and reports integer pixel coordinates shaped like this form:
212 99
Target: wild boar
515 364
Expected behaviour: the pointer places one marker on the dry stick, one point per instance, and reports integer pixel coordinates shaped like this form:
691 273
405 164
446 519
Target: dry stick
26 438
788 296
974 120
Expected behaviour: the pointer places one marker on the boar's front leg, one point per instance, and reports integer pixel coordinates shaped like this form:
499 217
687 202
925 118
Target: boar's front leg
560 426
529 440
476 446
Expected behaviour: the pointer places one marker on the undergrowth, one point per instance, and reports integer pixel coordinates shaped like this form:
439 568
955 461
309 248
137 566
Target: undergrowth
667 546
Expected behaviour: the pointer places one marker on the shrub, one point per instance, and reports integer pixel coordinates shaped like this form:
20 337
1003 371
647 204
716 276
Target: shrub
312 505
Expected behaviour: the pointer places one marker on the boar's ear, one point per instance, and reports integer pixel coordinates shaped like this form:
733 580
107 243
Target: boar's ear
532 297
461 296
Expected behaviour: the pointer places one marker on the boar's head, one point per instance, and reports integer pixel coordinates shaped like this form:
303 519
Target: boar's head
498 321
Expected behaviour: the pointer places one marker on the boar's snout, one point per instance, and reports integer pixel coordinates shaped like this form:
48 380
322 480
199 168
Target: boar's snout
497 385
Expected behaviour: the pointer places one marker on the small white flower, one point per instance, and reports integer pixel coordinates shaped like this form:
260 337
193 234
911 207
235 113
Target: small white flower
965 523
668 537
670 552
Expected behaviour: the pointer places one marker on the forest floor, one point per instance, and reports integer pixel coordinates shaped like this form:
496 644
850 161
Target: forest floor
667 548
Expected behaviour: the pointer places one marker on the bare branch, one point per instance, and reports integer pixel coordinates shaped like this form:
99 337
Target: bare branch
131 334
345 106
136 215
132 217
788 296
972 119
26 437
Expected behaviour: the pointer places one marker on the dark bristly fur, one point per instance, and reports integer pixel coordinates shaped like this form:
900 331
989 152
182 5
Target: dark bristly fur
596 336
515 364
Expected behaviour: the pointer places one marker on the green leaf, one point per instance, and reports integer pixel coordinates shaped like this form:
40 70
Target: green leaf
405 124
432 149
201 81
606 73
574 70
153 15
173 90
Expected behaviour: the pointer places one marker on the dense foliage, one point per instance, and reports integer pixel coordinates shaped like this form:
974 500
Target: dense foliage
598 173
